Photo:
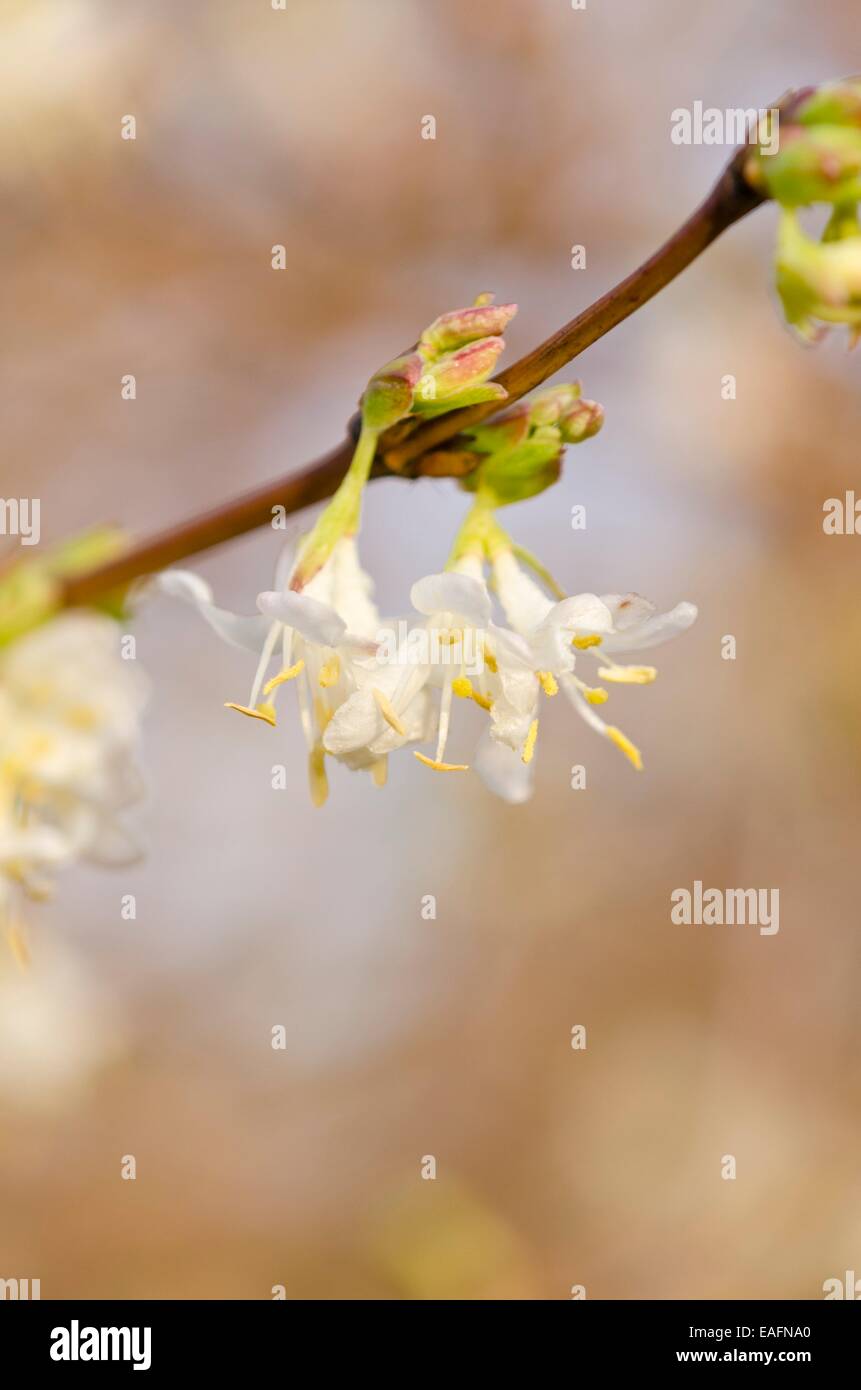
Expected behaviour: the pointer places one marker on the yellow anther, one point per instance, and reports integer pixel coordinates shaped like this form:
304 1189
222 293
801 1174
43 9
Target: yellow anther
380 771
529 745
548 682
330 672
628 675
317 779
594 696
389 713
583 643
264 711
632 753
288 674
440 767
464 687
490 661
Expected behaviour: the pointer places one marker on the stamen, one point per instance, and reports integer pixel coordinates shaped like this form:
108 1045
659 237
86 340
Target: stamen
289 674
438 766
490 661
529 745
628 675
389 713
317 779
595 695
265 657
632 753
330 672
583 643
264 711
548 682
322 714
463 686
380 771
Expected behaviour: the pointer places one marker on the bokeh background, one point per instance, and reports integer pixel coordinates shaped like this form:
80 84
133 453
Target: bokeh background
451 1037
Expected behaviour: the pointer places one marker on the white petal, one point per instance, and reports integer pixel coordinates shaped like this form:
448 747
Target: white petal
583 614
502 770
628 610
317 622
661 627
352 590
452 593
524 601
354 725
240 631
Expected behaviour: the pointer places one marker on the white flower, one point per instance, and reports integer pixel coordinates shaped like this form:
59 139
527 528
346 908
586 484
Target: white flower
324 638
541 653
70 708
393 704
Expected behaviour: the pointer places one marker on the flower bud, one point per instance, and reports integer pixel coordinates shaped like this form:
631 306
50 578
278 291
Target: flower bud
514 474
817 280
815 164
582 421
447 379
461 326
389 394
835 103
548 406
504 430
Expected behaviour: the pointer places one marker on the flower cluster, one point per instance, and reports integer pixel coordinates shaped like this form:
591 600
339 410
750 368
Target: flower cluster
819 162
69 718
484 630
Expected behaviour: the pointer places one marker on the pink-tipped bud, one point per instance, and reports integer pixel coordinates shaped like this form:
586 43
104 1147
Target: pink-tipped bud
458 371
389 394
582 421
462 326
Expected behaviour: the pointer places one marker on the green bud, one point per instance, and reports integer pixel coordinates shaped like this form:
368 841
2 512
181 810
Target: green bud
389 394
503 430
31 589
514 474
815 164
836 103
547 407
582 421
817 281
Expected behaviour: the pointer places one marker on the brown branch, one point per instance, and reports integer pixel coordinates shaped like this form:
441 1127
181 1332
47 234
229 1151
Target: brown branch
414 447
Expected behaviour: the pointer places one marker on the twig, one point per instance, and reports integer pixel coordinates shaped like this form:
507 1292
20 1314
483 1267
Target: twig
414 447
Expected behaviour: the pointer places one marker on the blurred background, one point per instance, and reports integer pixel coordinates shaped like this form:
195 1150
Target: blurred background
407 1037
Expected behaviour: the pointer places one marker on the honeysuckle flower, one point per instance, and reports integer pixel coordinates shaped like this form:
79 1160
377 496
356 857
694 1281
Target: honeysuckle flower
393 702
320 638
553 635
70 709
